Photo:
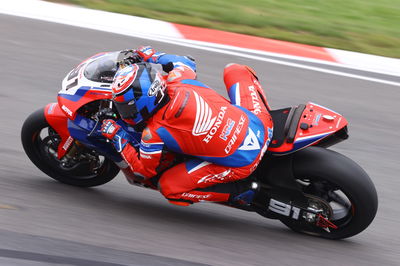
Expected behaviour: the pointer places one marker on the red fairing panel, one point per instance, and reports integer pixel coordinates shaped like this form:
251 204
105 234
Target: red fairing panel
318 123
59 122
78 90
320 120
70 104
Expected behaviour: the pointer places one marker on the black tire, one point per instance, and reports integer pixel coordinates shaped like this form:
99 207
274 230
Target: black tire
33 145
336 170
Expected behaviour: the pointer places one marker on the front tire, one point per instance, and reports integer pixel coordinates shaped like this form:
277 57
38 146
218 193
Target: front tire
337 179
39 140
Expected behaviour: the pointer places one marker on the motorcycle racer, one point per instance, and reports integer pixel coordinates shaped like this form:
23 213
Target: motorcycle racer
179 114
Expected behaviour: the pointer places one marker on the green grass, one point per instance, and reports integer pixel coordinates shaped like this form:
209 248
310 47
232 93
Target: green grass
368 26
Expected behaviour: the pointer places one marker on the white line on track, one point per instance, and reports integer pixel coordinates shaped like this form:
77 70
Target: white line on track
392 72
275 61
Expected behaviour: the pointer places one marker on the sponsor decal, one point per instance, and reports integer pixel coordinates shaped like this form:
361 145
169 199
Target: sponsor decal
250 143
316 120
204 119
214 178
68 143
284 209
226 131
194 196
254 98
216 125
66 109
237 131
98 93
157 85
145 156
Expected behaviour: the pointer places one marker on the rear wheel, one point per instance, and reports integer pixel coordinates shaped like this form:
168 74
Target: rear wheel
337 187
86 169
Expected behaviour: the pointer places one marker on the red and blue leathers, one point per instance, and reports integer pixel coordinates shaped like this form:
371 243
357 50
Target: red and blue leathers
226 139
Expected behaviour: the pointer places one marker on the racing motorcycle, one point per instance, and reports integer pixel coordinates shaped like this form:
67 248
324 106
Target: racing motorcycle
300 182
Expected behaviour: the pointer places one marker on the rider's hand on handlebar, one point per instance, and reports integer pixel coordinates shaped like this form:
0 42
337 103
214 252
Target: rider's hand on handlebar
112 131
145 52
110 128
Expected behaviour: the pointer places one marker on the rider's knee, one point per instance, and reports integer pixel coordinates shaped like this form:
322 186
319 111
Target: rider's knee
237 73
232 67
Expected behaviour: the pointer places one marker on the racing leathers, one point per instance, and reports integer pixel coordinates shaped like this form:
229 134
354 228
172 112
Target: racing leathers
224 139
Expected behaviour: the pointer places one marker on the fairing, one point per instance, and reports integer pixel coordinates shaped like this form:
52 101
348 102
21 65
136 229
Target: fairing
315 124
59 122
84 130
89 81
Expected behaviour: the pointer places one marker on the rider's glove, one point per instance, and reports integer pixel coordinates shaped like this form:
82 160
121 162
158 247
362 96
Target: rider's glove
112 131
129 57
145 52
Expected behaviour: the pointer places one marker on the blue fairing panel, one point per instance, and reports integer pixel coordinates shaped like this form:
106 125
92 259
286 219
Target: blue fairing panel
95 142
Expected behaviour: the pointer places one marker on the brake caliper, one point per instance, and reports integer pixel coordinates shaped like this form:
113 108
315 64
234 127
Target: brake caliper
324 223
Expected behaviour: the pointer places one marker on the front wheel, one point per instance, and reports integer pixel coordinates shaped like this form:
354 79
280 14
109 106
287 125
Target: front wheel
341 185
40 142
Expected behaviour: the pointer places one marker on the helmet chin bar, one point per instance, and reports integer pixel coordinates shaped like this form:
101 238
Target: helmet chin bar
125 110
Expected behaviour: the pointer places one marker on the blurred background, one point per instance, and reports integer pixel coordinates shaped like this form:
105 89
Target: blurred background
365 26
43 222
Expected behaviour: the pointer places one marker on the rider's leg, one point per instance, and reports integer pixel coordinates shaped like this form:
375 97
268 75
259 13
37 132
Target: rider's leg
197 180
245 90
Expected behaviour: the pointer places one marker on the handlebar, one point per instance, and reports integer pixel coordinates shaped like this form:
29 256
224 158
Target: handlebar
104 113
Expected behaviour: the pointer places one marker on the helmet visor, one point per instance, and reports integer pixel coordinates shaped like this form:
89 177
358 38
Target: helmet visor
127 110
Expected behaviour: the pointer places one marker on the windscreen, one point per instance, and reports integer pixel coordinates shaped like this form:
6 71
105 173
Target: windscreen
103 68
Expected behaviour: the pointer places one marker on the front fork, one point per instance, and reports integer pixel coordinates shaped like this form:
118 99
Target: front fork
59 122
78 134
84 132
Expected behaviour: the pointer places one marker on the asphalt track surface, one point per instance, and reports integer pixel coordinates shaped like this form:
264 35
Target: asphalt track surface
43 222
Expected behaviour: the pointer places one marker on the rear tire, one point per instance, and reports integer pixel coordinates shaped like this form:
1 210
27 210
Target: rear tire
35 147
331 170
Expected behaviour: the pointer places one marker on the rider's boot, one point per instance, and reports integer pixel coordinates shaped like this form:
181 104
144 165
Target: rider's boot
245 193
